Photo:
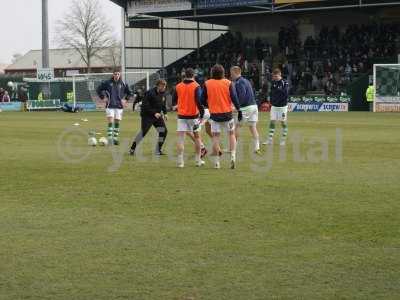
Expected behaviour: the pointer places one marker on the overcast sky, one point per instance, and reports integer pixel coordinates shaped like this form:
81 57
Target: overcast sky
21 26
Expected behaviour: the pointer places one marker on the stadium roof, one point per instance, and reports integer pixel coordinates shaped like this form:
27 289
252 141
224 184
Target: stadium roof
60 59
192 10
121 3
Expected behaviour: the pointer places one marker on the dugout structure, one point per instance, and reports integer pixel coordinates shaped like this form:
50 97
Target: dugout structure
387 88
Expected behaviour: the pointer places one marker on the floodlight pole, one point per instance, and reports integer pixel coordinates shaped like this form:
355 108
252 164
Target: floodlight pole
45 34
123 41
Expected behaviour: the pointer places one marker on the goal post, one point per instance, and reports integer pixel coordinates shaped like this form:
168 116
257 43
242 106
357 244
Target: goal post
386 87
85 85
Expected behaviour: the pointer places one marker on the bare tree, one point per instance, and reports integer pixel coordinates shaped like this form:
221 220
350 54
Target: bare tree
85 28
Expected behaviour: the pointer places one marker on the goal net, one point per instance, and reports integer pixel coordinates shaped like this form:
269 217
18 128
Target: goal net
44 94
387 87
85 86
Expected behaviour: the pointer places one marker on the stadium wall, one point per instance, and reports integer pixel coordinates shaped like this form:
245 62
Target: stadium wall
170 40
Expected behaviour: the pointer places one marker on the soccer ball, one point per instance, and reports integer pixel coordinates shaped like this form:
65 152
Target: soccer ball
92 142
103 141
10 84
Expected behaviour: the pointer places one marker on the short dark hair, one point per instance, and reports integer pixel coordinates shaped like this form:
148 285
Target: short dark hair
161 82
189 73
217 72
277 71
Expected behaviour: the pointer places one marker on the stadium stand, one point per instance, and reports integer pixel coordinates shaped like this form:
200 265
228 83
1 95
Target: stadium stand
324 64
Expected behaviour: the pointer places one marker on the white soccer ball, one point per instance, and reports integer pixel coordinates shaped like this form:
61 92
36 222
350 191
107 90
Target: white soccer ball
92 141
10 84
103 141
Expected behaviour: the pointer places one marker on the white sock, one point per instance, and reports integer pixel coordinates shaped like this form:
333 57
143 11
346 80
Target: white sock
180 158
233 155
216 159
256 144
198 159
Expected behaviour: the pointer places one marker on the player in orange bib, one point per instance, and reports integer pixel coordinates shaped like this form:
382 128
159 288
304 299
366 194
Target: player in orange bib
187 96
220 95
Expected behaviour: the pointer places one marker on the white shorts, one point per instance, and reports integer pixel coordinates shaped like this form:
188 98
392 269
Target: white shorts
188 125
206 116
217 127
115 113
279 113
250 114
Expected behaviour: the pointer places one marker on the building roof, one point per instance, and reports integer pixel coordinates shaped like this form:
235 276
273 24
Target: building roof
2 68
62 59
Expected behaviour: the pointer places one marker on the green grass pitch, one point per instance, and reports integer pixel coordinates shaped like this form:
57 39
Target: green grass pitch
320 220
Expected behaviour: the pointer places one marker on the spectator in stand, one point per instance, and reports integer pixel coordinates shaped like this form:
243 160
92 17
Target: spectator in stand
255 76
5 97
238 58
285 71
266 50
268 72
309 46
330 87
347 72
308 78
199 74
248 49
315 83
246 70
23 93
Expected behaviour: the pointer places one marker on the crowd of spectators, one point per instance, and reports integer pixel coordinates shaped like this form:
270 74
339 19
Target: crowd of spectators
332 59
230 49
327 62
